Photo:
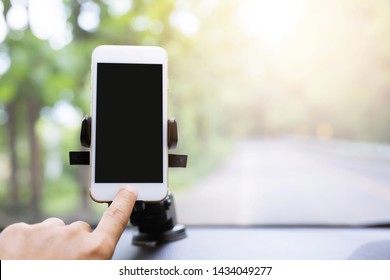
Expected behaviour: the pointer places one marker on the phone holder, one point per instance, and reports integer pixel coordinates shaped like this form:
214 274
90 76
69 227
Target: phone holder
156 220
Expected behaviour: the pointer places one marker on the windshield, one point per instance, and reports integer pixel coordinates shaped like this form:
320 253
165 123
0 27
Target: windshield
282 107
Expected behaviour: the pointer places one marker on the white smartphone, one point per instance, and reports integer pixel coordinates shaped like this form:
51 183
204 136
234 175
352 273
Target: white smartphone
129 122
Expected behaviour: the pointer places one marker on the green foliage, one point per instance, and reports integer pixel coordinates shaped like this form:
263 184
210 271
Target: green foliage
7 91
61 196
328 78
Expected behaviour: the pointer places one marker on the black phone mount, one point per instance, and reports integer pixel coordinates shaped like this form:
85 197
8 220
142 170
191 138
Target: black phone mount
156 220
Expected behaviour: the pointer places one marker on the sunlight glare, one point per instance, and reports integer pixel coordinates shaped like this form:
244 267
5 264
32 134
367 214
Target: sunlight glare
5 63
48 21
187 22
270 21
89 17
119 7
65 114
3 24
46 17
17 17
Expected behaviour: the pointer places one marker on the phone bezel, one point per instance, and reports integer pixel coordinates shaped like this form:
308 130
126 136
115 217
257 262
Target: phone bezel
105 192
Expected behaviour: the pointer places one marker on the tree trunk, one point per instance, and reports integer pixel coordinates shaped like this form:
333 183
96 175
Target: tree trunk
82 175
35 156
14 186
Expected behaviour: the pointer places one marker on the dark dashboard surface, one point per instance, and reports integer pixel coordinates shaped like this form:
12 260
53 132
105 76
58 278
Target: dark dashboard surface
273 243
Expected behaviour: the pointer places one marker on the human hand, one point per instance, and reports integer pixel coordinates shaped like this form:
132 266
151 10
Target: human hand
52 239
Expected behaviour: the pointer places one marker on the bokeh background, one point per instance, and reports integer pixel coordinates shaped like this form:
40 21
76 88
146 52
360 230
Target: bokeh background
297 71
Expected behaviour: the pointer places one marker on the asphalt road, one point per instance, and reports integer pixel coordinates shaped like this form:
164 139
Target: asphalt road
291 181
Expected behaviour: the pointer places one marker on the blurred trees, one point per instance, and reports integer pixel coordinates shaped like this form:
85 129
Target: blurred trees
328 77
41 73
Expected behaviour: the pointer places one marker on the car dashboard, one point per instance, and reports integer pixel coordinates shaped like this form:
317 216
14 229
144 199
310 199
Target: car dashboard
264 242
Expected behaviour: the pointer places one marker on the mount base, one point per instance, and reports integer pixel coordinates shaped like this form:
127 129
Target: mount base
156 222
149 239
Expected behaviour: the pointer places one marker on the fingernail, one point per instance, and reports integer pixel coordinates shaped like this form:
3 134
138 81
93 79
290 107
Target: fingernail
130 188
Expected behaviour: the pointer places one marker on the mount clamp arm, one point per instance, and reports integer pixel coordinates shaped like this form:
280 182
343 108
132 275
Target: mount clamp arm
156 220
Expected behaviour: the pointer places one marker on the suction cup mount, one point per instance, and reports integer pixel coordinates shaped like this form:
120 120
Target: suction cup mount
156 220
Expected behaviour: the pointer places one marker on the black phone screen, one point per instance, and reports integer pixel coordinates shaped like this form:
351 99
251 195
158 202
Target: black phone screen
129 119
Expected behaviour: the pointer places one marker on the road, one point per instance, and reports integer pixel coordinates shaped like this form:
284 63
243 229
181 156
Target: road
291 181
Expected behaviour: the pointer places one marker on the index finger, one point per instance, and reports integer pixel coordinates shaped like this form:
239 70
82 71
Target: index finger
117 215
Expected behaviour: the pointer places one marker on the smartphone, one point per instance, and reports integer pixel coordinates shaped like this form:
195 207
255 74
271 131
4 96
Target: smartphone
129 122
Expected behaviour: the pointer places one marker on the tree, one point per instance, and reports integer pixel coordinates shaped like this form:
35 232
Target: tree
40 70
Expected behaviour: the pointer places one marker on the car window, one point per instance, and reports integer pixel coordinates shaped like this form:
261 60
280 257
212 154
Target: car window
282 107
